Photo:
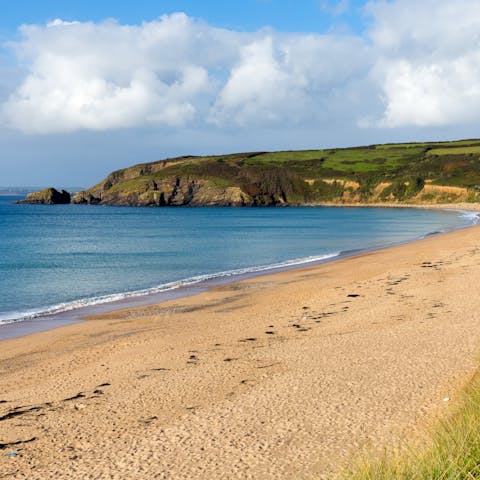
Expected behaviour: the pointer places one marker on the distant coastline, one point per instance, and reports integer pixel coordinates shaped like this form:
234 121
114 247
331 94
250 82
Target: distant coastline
20 191
429 173
14 192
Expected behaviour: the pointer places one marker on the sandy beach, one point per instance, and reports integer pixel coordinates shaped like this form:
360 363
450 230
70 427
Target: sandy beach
278 377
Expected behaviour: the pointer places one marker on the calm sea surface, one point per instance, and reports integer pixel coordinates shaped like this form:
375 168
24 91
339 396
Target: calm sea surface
55 258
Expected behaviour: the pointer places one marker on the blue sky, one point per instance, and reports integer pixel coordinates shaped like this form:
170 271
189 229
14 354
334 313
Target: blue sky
286 15
88 87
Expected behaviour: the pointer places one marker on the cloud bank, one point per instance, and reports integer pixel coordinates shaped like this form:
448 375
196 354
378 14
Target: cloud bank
417 65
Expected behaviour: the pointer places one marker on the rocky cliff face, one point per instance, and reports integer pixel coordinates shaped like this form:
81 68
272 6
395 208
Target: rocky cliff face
49 196
167 192
194 182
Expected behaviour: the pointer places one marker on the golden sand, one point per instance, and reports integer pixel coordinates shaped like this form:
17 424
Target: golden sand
285 376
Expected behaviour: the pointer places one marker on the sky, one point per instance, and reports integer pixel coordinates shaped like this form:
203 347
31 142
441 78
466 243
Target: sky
87 87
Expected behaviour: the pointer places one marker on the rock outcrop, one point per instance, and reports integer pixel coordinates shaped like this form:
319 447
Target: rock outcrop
48 196
175 191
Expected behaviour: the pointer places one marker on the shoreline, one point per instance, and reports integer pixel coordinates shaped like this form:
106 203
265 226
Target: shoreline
280 375
188 287
464 206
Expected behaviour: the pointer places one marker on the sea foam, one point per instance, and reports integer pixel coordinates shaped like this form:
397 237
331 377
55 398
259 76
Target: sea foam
17 316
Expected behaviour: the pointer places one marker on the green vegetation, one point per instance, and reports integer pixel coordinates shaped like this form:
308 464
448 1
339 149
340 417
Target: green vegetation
385 161
452 453
455 151
394 172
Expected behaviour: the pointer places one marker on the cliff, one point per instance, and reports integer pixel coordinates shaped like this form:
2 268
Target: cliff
420 173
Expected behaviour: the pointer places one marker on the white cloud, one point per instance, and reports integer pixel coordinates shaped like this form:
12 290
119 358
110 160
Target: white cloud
289 78
107 76
428 61
258 85
418 66
58 22
171 73
431 94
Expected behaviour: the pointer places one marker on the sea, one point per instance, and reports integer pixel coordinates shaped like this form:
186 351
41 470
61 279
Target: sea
56 259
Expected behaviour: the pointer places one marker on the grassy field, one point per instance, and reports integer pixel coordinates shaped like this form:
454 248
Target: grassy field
451 453
454 163
455 151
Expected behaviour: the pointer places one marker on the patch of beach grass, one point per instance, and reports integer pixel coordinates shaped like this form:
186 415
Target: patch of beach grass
451 451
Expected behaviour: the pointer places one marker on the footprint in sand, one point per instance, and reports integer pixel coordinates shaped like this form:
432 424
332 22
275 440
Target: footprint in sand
192 359
75 397
18 411
149 420
4 446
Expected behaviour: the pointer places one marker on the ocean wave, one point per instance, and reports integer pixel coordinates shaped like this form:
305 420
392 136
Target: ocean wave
473 218
18 316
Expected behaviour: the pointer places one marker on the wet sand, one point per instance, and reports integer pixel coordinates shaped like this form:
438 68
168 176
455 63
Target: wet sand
276 377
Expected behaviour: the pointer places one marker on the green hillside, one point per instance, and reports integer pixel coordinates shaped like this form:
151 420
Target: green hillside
438 172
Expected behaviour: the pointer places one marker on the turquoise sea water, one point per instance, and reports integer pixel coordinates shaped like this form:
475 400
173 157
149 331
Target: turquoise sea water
56 258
